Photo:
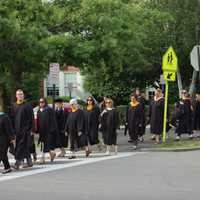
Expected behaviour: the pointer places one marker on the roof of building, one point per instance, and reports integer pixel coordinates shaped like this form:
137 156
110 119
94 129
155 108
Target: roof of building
71 69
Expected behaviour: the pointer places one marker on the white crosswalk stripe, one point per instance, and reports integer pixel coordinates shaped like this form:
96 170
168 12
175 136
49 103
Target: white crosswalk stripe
62 163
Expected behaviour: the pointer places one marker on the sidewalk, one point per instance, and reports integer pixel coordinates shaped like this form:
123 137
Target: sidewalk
185 144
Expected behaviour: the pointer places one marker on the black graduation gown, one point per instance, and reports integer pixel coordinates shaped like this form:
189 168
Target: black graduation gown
197 115
22 117
183 115
156 114
6 135
47 128
135 121
109 120
76 124
61 118
92 125
142 129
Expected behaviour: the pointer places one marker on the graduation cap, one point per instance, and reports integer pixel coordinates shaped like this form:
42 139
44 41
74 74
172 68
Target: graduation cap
58 100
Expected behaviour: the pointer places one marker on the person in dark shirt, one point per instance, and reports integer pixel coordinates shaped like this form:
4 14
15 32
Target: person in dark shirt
7 137
109 120
197 113
47 129
141 99
75 128
184 116
61 118
92 113
156 113
134 119
22 117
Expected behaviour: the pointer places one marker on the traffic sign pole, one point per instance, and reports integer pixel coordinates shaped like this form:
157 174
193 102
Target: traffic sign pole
169 67
165 112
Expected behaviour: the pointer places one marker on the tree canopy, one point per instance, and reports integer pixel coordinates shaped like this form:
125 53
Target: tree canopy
118 44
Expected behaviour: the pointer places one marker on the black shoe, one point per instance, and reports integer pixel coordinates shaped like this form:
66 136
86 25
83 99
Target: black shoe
34 157
29 163
72 157
87 153
141 139
6 171
17 165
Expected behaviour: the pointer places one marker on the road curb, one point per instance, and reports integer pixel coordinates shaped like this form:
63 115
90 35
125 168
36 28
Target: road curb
170 149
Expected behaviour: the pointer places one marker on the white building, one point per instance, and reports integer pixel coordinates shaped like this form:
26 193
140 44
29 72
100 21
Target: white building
70 83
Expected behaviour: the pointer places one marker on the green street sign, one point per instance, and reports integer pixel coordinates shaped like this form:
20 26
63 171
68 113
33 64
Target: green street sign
170 61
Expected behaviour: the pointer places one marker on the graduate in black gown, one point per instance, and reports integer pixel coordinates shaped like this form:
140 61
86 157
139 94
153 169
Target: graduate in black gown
184 116
75 128
156 115
7 137
47 129
109 120
197 113
134 119
61 118
141 100
92 113
22 117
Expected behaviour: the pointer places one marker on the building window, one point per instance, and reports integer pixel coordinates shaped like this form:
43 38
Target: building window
70 84
50 91
70 78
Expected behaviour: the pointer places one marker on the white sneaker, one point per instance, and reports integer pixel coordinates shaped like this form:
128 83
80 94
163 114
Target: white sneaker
178 138
108 153
134 147
191 136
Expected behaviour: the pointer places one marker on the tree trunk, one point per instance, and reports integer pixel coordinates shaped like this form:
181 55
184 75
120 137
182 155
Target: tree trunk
193 83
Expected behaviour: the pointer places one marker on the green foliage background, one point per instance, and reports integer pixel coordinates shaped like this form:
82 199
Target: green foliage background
118 44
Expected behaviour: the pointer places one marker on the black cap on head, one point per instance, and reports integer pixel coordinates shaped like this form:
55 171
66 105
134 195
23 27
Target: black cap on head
58 101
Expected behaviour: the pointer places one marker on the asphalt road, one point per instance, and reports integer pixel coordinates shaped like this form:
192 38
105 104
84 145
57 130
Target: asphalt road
151 176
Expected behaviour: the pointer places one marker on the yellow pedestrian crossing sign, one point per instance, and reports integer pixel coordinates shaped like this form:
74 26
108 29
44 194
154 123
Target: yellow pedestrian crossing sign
170 61
169 67
169 76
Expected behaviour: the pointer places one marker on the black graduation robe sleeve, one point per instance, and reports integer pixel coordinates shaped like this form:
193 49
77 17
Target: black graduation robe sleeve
81 122
30 118
7 125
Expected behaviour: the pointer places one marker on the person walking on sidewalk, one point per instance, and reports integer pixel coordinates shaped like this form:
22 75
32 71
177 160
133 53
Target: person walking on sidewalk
92 113
156 113
47 129
7 137
141 99
22 118
61 118
75 129
184 116
134 119
109 120
197 113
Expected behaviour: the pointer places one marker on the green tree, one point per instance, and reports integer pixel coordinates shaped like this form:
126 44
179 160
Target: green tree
113 45
25 27
182 30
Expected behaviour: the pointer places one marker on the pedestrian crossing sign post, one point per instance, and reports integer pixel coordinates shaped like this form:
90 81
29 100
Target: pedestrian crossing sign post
170 61
169 67
169 76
